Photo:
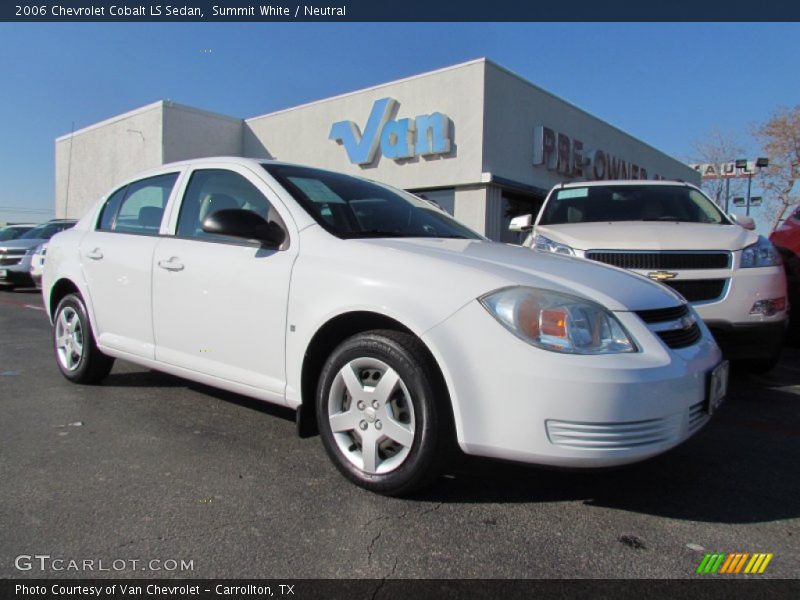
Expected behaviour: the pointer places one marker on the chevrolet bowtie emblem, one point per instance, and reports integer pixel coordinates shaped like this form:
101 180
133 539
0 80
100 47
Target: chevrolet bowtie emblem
662 275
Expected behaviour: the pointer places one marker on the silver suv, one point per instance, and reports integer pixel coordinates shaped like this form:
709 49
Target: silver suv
16 255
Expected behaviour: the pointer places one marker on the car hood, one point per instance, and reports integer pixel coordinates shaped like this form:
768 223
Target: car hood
638 235
475 267
20 244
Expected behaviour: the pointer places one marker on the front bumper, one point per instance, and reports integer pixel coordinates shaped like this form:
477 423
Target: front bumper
17 275
517 402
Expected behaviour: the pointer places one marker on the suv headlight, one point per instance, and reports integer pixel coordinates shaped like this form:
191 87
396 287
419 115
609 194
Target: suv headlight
761 254
33 250
545 244
558 322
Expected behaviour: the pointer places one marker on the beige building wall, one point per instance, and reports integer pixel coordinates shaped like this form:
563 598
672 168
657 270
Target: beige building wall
194 133
92 160
515 107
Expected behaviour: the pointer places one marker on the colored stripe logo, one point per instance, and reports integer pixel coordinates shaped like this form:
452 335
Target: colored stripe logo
720 563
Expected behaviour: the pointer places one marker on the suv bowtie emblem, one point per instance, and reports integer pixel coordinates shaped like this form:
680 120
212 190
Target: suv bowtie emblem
662 275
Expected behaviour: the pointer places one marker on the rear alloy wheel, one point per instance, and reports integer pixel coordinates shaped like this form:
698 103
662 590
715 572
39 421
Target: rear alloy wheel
380 419
77 354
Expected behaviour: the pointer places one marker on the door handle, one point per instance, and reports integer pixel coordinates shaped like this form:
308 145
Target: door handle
95 254
173 264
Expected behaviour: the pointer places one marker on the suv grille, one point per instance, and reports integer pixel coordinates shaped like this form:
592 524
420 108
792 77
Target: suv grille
698 290
10 257
676 334
663 260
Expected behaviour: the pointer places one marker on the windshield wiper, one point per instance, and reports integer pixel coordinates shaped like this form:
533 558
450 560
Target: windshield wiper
370 233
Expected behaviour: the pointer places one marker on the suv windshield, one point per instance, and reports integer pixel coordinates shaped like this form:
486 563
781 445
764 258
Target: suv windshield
593 204
11 233
353 208
45 231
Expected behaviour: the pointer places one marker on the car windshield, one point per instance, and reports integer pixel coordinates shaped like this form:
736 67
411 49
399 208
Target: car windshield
45 231
349 207
12 233
608 203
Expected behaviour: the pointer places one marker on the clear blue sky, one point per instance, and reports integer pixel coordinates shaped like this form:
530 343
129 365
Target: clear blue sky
664 83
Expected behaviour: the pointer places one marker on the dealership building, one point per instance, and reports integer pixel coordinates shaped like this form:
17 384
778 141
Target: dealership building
479 140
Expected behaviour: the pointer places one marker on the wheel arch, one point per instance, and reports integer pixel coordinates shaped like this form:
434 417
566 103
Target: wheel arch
61 288
328 337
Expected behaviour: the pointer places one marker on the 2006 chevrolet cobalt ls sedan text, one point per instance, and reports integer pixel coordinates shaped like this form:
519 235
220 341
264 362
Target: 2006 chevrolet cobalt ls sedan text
387 324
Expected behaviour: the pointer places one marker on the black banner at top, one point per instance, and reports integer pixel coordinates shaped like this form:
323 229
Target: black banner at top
404 10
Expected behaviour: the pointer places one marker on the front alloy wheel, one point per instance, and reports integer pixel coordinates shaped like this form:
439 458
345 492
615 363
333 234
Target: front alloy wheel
69 339
382 412
371 415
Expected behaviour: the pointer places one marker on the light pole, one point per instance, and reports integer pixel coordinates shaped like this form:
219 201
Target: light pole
741 163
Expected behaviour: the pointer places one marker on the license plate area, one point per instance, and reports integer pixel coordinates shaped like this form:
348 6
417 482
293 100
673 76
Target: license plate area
717 387
3 273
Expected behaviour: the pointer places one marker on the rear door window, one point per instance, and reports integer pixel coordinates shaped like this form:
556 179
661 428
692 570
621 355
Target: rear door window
142 208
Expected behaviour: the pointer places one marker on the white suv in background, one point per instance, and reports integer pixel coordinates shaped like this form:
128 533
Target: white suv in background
673 233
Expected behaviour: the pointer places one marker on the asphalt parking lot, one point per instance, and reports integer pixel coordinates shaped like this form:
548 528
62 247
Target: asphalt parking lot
151 467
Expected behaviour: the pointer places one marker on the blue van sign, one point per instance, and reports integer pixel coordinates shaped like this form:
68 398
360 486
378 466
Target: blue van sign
398 139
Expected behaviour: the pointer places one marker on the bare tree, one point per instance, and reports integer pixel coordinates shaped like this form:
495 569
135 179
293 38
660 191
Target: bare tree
717 147
780 138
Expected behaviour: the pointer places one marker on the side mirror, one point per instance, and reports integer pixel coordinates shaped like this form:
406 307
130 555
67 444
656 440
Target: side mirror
245 224
744 221
523 223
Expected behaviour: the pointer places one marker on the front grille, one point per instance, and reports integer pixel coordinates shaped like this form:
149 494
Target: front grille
659 315
681 338
610 436
676 334
663 260
698 290
7 262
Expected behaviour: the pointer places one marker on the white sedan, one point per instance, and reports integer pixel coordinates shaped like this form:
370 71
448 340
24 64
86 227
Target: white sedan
391 328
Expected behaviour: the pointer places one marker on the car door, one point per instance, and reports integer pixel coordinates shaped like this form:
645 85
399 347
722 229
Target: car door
117 258
219 303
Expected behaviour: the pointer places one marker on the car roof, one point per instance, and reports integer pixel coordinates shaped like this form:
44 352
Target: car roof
254 163
606 182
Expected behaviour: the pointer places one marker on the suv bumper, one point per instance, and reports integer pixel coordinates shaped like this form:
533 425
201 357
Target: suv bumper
15 277
749 340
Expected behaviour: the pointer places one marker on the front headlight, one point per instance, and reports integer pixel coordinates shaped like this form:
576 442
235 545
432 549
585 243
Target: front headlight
558 322
761 254
545 244
33 250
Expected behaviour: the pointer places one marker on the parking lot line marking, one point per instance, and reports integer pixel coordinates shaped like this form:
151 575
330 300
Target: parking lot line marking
34 307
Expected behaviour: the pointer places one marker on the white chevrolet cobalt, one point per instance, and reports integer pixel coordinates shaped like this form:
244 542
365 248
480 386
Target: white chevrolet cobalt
389 326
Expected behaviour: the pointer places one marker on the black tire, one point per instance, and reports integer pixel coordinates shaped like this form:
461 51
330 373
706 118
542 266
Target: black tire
417 398
77 358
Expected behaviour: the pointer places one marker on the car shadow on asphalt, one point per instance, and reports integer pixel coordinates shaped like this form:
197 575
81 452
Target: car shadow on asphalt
156 379
741 468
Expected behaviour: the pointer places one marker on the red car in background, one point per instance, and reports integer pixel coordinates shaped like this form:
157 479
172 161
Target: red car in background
787 239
